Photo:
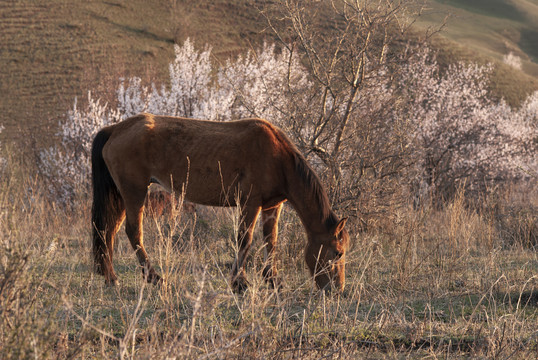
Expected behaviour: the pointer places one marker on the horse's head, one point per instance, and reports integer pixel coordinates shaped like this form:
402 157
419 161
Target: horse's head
326 256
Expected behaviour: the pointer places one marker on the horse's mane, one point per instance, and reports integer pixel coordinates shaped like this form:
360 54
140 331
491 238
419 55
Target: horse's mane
311 181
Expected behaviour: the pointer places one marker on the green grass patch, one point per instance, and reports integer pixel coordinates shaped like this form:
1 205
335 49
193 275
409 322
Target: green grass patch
494 8
529 42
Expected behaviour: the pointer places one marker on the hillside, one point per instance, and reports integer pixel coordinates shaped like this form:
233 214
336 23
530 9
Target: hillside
493 27
488 30
53 51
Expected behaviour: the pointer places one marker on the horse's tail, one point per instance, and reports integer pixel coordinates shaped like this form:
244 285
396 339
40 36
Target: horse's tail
107 207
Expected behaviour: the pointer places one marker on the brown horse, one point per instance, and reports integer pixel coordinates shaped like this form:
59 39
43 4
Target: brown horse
247 163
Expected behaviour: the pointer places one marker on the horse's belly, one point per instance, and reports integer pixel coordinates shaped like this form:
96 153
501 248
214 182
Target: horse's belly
205 181
210 194
207 190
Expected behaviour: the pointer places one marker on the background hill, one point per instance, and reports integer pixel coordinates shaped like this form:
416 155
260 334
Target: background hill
493 28
487 30
53 51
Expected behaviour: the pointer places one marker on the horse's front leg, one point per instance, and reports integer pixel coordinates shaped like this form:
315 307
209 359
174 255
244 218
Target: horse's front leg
244 240
270 235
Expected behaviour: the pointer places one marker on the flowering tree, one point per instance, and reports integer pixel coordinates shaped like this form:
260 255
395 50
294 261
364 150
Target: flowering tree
266 84
67 165
191 92
347 125
461 135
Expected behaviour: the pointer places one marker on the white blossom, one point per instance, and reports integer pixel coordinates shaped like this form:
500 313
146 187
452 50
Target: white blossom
512 60
67 165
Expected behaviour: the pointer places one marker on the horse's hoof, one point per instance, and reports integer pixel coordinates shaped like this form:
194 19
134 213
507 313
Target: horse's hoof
111 281
239 284
99 268
154 278
267 272
270 277
275 284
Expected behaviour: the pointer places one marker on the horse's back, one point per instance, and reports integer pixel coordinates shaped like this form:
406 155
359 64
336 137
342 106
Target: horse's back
174 129
209 157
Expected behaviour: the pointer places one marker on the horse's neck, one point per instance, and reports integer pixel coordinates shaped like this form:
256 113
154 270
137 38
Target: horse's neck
309 208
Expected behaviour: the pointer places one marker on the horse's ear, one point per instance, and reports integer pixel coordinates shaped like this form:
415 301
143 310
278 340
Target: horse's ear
340 226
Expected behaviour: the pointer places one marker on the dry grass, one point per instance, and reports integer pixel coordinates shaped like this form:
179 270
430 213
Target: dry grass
445 283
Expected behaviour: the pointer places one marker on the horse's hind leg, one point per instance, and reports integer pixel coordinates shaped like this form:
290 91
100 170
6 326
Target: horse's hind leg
107 219
108 267
270 234
134 209
244 240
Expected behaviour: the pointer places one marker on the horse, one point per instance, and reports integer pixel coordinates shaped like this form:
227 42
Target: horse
248 163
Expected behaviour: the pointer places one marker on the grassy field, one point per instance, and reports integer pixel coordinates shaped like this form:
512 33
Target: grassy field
444 283
53 51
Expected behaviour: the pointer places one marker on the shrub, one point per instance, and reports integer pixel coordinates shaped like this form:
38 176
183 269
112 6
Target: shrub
513 60
66 167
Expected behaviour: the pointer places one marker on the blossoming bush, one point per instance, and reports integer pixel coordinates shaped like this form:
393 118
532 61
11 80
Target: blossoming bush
462 137
66 167
513 60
